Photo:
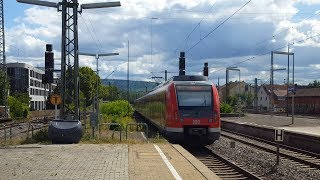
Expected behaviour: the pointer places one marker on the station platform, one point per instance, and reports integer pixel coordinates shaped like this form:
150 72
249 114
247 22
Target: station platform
101 161
301 125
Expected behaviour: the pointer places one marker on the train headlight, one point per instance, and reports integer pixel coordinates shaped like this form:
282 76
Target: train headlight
181 119
210 120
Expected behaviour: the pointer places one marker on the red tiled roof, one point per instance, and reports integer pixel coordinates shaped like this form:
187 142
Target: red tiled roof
280 92
310 92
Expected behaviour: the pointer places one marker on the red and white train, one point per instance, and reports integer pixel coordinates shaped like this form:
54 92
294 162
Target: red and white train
185 109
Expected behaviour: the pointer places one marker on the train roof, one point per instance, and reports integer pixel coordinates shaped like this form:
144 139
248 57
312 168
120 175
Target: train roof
182 80
190 78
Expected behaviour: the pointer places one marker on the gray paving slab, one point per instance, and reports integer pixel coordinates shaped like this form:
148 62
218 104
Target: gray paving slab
80 161
103 161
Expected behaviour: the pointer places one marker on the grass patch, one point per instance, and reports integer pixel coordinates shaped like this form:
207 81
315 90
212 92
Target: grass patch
39 137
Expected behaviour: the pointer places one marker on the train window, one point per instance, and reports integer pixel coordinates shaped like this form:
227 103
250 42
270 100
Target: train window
195 96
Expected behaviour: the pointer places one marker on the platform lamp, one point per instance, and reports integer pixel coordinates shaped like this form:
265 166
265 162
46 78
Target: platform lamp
271 88
97 83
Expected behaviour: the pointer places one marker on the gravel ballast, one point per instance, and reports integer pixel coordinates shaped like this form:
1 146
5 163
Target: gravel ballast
263 163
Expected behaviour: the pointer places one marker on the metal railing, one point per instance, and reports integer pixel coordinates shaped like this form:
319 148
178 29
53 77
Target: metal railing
138 125
111 124
16 130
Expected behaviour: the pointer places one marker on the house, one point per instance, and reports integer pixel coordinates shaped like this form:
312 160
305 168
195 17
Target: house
235 88
278 97
25 78
306 101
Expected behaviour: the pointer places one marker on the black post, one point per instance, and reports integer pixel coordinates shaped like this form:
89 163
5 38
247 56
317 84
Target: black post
227 91
255 94
206 69
278 158
182 64
165 75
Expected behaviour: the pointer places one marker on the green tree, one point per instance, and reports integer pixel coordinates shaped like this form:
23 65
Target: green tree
225 108
249 99
17 108
88 84
315 83
22 97
4 86
119 108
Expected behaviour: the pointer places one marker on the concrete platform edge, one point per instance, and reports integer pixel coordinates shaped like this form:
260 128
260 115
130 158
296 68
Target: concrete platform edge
204 170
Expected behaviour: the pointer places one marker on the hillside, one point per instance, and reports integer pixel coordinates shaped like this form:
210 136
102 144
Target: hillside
135 86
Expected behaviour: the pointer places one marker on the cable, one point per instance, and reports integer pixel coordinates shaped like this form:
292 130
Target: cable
95 33
219 25
90 34
262 54
274 35
198 24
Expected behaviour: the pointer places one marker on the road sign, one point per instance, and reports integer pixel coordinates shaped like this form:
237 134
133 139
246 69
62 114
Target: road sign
278 134
94 119
55 99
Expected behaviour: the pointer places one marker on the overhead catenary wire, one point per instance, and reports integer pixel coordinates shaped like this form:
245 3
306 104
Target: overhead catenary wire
197 25
265 53
98 48
286 29
207 35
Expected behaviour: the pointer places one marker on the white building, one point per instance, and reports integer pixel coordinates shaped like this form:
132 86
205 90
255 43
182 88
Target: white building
263 98
25 78
278 96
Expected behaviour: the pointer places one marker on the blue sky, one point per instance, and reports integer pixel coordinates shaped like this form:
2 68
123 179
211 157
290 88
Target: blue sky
253 31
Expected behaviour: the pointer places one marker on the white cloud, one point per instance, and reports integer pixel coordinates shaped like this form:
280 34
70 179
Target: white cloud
315 66
235 41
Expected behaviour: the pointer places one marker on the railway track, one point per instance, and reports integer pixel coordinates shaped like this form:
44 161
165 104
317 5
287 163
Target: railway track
302 158
221 166
11 130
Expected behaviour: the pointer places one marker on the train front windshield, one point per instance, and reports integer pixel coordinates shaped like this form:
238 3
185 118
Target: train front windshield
194 101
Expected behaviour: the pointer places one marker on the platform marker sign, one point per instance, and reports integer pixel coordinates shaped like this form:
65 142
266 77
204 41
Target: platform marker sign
278 134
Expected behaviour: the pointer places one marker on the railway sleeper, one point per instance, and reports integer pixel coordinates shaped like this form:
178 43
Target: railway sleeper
221 168
236 176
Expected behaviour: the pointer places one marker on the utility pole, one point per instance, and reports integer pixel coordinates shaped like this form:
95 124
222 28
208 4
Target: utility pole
218 84
3 61
287 109
288 54
95 119
70 110
128 85
255 94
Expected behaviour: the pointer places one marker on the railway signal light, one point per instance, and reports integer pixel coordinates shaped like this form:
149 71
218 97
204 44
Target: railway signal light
49 64
182 63
205 70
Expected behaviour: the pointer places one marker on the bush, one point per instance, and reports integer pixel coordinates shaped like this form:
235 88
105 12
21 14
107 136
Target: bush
117 108
17 108
117 112
123 121
225 108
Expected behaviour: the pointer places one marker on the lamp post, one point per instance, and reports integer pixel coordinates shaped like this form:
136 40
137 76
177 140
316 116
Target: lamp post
271 88
97 83
153 18
227 79
288 54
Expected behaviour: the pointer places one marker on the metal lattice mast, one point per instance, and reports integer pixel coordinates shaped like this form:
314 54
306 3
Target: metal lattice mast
69 51
3 59
70 60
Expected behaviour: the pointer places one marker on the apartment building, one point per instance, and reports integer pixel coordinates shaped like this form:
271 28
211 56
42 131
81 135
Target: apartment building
25 78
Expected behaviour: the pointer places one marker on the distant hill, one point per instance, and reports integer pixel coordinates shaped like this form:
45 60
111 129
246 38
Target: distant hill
135 86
